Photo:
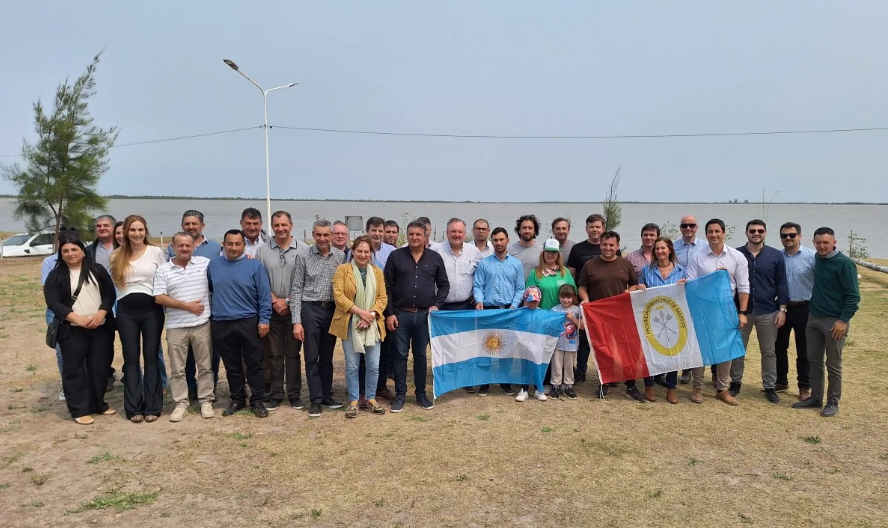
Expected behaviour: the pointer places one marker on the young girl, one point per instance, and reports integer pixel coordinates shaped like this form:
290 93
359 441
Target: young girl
565 357
532 298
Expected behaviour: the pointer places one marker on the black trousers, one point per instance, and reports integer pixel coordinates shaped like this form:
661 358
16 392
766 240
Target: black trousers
796 320
283 360
318 351
238 345
86 362
139 324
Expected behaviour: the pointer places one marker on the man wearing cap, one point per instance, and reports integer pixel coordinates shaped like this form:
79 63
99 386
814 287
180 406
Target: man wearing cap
498 285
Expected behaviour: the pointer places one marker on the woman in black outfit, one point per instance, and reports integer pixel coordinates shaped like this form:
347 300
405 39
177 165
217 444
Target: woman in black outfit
86 325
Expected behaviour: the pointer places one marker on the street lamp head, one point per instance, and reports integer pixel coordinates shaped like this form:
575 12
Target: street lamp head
230 64
291 85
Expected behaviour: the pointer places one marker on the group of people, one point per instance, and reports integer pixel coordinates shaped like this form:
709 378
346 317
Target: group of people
258 302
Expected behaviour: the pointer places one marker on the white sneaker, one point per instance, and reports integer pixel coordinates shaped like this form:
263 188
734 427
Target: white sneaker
540 395
178 414
62 396
206 410
522 396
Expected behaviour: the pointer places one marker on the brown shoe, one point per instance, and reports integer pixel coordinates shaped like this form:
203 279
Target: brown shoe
649 394
151 418
386 395
697 396
726 397
671 397
780 387
137 418
804 394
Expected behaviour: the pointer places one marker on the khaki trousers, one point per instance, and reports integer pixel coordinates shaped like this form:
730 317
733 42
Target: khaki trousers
722 376
563 363
201 341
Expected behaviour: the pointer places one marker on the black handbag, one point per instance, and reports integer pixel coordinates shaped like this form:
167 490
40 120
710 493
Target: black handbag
52 331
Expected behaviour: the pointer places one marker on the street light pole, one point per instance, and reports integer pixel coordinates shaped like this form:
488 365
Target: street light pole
235 67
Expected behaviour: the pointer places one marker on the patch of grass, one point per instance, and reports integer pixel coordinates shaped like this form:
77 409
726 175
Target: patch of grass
831 471
18 389
31 367
38 409
40 479
417 418
657 494
4 486
27 469
379 503
812 439
240 436
483 417
120 501
35 504
13 458
316 513
104 457
461 477
745 520
546 429
608 449
693 461
81 436
782 476
243 444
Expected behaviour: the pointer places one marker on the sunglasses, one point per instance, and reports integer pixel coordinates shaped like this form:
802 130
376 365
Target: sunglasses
688 226
756 231
788 235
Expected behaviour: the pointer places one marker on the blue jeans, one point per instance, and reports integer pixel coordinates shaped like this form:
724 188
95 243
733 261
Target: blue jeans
352 367
49 317
412 328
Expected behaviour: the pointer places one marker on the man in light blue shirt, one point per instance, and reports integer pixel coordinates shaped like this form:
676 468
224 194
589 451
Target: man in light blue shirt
499 278
498 284
685 247
688 244
799 262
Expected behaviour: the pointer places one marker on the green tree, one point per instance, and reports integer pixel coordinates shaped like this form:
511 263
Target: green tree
57 185
613 211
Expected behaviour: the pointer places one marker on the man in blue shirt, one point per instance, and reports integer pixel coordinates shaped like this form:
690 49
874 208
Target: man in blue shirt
498 284
241 311
768 295
799 261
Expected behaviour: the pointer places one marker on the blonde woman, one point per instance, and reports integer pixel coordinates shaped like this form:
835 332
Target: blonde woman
139 319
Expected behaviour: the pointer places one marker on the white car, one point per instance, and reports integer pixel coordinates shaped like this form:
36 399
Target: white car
27 245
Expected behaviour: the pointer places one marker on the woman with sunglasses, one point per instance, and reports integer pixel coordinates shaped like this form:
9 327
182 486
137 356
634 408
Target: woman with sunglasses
139 319
80 294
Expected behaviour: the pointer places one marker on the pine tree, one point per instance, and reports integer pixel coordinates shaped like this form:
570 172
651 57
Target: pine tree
63 166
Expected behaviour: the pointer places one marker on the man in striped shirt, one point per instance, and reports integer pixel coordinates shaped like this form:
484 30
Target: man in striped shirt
181 286
799 262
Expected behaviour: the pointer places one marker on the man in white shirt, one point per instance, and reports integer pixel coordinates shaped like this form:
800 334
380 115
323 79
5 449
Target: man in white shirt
718 256
460 262
251 225
481 237
181 286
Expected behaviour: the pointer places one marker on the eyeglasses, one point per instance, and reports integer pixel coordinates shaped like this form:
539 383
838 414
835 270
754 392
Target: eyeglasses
756 231
688 226
788 235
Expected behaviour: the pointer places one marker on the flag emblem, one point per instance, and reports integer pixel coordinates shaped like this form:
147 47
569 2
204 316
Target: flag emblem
664 325
494 342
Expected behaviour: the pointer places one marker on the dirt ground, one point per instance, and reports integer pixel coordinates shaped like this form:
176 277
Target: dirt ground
469 462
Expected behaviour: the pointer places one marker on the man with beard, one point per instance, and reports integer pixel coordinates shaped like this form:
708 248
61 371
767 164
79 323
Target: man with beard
526 249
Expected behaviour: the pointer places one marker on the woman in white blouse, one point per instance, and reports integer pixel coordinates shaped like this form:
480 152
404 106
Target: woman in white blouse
139 319
81 295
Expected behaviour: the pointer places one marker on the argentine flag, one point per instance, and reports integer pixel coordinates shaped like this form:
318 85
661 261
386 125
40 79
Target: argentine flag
664 329
479 347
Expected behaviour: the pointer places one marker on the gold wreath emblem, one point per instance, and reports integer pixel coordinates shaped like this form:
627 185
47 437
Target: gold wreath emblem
659 327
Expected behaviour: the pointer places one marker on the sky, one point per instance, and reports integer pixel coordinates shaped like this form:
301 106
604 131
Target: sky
469 68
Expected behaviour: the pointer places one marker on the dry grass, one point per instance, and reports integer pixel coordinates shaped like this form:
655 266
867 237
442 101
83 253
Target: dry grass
469 462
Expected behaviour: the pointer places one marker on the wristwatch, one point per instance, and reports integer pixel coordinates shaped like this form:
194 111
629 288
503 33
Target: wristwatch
743 312
783 309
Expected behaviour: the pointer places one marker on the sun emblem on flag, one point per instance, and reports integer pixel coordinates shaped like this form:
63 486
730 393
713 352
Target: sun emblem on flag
665 325
494 342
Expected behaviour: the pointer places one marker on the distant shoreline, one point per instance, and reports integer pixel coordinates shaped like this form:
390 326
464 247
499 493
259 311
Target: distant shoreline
243 198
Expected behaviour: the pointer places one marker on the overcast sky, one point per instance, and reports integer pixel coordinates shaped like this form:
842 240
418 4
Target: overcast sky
497 68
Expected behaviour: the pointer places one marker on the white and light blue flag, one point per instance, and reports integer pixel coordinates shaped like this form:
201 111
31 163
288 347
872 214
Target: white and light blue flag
480 347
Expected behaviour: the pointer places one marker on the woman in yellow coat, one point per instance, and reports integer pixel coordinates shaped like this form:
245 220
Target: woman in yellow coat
359 294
